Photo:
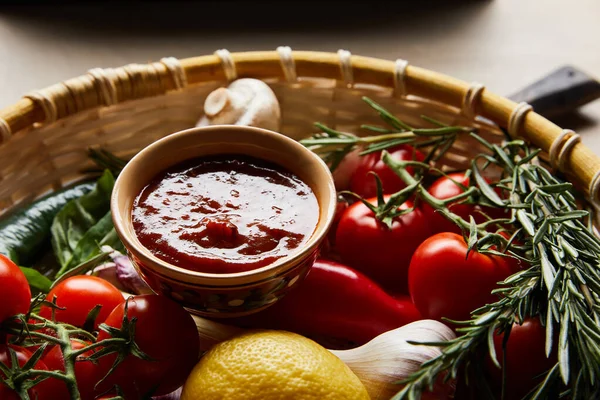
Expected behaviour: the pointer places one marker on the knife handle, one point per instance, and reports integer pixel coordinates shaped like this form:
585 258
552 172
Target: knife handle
560 92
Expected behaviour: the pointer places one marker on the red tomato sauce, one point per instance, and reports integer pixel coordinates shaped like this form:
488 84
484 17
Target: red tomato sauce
224 214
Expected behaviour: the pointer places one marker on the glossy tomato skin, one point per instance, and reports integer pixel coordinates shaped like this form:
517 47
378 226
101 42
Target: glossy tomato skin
44 390
79 295
363 183
167 333
444 283
381 253
526 358
16 294
87 373
445 188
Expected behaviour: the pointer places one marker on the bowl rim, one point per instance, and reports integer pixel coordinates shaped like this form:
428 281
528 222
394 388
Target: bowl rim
135 248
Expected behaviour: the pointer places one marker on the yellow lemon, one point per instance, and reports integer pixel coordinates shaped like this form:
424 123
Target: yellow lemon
271 365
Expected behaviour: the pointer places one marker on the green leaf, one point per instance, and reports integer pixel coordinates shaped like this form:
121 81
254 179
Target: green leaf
563 348
36 280
491 347
74 220
548 271
102 233
549 332
433 121
526 222
556 188
472 235
485 188
541 232
387 116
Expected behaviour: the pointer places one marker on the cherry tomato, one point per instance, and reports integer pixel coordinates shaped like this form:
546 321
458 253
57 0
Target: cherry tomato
445 188
86 372
381 253
363 183
15 290
523 374
443 282
344 171
79 295
167 333
42 391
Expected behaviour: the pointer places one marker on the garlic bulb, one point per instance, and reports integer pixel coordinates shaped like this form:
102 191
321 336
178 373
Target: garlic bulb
388 358
378 364
244 102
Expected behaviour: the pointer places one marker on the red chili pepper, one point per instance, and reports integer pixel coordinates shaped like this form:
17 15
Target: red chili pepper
335 305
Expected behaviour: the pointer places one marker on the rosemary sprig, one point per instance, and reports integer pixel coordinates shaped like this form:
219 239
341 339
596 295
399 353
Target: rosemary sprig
333 145
104 159
562 286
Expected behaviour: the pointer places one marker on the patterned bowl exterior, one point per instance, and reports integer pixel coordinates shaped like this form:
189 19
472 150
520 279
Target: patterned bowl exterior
227 301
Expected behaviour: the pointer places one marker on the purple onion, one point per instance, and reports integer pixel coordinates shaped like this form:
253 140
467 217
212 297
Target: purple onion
128 276
108 272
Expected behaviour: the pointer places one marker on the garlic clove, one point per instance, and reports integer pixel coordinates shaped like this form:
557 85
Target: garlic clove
245 101
380 363
389 357
212 332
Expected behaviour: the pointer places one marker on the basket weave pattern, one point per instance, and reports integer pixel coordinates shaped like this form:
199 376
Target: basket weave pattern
47 133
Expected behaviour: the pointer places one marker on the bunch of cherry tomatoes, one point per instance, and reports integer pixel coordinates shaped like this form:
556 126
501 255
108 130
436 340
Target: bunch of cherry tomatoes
164 332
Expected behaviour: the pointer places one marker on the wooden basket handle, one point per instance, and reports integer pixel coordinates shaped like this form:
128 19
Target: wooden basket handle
144 80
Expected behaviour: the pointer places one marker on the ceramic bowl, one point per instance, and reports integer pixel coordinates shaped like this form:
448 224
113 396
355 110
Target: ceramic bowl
232 294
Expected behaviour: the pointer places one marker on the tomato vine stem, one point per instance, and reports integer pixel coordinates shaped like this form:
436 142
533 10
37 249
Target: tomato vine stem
24 378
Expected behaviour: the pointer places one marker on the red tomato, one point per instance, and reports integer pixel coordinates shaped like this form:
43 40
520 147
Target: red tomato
42 391
86 372
381 253
444 188
363 183
522 374
79 295
15 290
167 333
443 282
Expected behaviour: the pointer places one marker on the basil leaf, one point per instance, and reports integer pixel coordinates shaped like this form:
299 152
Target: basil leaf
102 233
36 280
77 217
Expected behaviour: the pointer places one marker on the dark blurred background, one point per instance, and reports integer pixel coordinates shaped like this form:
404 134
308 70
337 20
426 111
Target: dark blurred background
505 44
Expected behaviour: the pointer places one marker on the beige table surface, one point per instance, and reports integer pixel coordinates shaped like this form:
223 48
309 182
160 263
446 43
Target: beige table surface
504 44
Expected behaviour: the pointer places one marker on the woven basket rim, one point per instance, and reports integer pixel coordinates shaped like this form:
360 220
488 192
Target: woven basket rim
581 164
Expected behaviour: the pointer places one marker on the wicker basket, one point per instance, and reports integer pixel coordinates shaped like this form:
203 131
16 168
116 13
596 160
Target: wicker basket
44 136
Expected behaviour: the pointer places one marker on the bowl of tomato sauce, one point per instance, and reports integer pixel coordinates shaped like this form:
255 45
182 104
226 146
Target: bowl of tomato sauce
224 219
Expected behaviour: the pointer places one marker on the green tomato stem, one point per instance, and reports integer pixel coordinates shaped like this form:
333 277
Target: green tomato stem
69 362
103 343
23 394
399 168
32 373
